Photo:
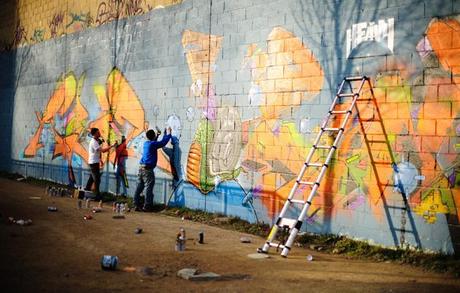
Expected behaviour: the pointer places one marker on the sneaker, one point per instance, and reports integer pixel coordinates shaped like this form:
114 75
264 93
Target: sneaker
138 209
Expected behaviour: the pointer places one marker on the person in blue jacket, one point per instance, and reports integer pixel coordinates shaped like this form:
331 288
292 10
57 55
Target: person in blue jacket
148 162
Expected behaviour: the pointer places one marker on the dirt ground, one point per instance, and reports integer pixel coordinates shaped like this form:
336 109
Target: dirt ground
61 252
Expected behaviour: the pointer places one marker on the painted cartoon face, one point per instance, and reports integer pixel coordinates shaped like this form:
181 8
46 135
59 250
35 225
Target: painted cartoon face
175 124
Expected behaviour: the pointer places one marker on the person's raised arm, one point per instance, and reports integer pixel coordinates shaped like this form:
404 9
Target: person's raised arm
165 140
107 148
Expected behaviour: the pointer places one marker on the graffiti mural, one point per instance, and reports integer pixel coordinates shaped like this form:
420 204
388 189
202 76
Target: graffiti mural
215 151
56 24
120 114
80 21
72 17
115 9
67 117
245 105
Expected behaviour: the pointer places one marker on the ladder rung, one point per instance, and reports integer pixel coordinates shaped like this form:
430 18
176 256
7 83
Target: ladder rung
287 222
296 201
306 182
377 141
273 244
314 164
348 95
323 147
355 78
332 129
340 112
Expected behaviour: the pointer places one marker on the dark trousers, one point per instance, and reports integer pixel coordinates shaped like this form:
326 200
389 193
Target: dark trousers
145 178
96 178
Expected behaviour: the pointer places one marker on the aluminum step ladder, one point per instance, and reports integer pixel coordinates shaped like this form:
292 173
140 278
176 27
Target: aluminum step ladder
350 89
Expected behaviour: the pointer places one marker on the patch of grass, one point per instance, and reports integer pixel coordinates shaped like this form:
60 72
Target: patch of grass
215 219
360 249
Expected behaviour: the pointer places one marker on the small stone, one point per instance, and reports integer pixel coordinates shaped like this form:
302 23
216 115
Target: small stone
186 273
245 240
192 275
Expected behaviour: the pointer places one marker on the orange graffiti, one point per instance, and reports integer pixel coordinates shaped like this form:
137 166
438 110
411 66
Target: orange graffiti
65 96
121 110
287 74
34 143
444 37
201 53
193 164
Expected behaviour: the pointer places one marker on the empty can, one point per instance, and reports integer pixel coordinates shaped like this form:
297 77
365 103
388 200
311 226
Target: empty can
52 209
109 262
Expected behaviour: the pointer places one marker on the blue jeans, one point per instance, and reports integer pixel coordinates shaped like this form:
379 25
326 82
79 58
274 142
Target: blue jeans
121 177
145 178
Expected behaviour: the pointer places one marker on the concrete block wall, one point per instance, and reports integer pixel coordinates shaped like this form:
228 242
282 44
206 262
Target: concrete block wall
246 86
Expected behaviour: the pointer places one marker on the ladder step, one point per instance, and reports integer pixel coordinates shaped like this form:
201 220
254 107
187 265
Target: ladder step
355 78
323 147
296 201
273 244
377 141
286 222
348 95
340 112
314 164
331 129
306 183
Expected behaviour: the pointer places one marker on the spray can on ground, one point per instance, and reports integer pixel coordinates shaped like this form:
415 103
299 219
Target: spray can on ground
201 237
109 262
180 240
